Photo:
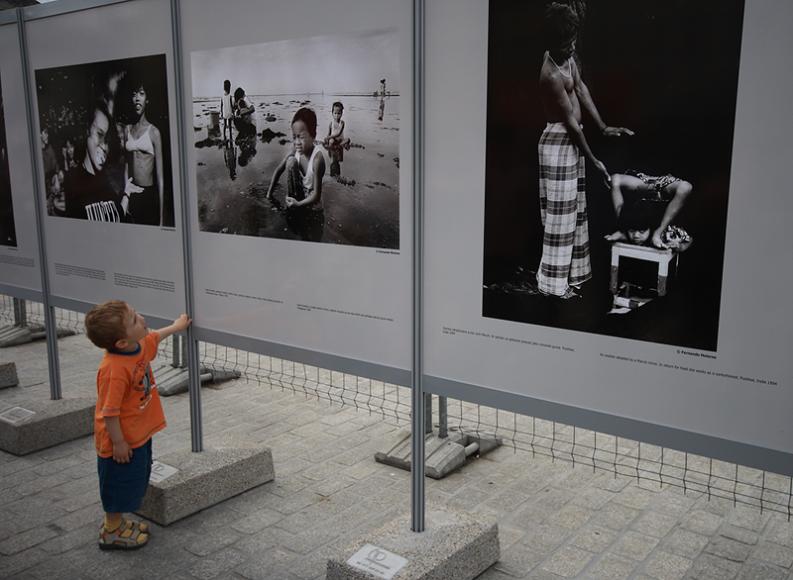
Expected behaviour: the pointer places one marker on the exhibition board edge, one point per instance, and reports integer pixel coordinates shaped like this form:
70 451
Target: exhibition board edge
21 293
64 7
710 446
8 17
370 370
83 307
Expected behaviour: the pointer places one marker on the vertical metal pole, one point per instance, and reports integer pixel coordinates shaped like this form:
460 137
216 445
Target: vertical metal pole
175 351
49 311
443 418
183 353
427 413
194 383
20 313
418 504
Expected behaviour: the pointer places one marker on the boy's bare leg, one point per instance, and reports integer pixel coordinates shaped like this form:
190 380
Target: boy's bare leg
112 521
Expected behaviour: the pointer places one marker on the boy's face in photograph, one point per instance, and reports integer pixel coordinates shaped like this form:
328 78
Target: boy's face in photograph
337 111
302 139
96 143
639 236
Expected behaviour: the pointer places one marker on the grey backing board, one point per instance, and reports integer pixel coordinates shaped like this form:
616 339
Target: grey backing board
734 403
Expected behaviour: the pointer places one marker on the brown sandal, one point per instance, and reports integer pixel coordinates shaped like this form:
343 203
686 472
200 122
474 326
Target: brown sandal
129 535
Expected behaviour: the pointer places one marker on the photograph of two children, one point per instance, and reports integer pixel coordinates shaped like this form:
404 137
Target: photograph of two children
609 145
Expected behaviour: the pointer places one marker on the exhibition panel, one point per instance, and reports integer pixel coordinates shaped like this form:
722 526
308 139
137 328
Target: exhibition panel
619 241
105 114
299 162
19 253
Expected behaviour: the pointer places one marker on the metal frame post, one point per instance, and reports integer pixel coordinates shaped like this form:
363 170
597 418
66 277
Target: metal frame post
418 500
50 328
20 313
443 418
191 343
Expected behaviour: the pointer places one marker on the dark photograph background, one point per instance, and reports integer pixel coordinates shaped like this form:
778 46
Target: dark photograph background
8 235
668 70
65 95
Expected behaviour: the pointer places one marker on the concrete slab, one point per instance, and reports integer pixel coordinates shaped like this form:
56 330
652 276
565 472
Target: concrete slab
454 545
173 380
195 481
32 425
442 455
16 335
8 375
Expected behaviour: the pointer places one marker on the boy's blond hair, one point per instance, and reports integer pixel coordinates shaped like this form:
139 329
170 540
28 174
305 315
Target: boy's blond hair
105 324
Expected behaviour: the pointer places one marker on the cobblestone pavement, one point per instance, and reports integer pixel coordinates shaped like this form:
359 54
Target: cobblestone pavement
555 521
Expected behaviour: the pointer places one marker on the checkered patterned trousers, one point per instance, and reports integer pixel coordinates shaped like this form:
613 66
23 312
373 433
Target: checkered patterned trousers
565 244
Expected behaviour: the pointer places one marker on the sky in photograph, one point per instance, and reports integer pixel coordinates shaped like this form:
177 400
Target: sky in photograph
332 64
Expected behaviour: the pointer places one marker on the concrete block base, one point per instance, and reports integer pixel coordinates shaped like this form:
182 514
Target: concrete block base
29 426
16 335
454 545
443 456
200 480
173 380
8 375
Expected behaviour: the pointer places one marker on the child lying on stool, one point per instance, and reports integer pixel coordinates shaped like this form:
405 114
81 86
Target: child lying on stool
639 199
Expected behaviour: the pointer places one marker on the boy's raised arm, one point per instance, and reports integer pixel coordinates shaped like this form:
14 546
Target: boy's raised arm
178 325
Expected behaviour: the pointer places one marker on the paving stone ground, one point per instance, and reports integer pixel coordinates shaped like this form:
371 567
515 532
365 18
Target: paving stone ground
555 521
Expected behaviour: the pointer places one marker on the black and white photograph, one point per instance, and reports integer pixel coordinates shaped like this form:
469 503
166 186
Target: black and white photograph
299 139
609 145
8 236
105 141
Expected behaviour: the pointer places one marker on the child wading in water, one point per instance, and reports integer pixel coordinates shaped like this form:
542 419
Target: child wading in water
336 142
128 413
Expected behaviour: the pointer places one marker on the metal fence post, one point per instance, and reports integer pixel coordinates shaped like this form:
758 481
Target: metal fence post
418 502
20 313
191 343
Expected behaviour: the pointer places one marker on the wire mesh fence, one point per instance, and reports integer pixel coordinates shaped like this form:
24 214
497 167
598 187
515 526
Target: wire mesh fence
581 448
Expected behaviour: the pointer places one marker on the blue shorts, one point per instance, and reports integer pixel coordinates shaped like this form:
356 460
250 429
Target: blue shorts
123 485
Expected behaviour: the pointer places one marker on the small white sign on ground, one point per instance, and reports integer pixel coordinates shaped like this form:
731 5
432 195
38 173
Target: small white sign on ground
378 562
15 415
161 472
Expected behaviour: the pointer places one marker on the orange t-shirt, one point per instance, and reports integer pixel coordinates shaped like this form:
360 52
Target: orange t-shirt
125 388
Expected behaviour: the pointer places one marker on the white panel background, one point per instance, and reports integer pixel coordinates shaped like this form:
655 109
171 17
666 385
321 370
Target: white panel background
340 277
113 32
19 166
756 320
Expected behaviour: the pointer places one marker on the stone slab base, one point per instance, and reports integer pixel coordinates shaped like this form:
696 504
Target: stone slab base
204 479
173 380
454 545
8 375
28 426
442 456
16 335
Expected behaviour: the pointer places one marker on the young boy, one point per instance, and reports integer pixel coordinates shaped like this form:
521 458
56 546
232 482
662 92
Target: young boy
645 206
304 166
335 141
226 108
128 412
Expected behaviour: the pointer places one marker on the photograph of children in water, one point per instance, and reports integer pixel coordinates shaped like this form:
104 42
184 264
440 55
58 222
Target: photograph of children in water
8 236
105 141
299 139
609 144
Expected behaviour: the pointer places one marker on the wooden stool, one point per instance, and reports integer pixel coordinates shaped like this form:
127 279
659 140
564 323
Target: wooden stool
646 253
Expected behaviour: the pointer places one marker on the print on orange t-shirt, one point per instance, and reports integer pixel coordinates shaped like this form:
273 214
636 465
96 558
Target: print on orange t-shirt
126 389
